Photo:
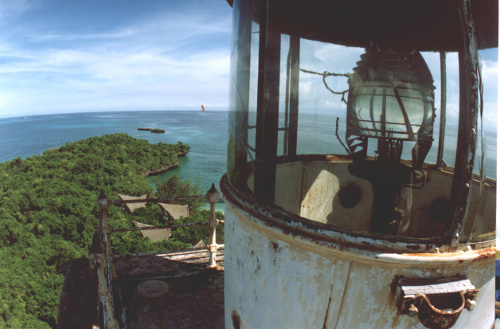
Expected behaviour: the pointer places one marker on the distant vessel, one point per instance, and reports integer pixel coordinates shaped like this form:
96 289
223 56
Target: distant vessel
156 130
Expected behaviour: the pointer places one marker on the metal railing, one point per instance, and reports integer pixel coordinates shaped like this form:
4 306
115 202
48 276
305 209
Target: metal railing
102 258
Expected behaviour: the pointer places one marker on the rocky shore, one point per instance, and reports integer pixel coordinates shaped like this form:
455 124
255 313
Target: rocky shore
154 172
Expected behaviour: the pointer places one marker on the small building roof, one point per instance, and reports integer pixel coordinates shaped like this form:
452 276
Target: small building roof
133 206
154 235
176 211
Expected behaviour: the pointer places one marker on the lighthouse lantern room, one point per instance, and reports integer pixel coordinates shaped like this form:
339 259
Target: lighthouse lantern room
355 197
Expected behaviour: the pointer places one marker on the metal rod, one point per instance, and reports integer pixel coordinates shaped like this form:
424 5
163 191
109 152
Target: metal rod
158 227
383 116
404 113
239 105
294 96
287 101
467 128
267 105
213 196
442 116
102 261
155 200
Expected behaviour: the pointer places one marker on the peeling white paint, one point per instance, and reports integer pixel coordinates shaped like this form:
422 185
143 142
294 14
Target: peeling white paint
276 280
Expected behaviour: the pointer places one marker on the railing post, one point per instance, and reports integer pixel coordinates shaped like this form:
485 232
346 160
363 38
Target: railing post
212 197
101 260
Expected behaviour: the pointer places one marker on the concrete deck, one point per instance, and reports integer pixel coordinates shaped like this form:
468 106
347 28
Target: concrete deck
172 290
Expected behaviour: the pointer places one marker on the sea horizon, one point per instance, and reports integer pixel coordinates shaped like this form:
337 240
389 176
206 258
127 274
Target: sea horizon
205 132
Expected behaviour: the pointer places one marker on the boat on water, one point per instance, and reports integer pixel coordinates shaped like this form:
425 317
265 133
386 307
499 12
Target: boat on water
156 130
143 128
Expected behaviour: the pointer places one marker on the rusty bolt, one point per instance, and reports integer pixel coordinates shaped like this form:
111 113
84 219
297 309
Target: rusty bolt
470 304
412 310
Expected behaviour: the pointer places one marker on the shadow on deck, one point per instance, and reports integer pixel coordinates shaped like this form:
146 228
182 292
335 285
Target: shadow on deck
169 290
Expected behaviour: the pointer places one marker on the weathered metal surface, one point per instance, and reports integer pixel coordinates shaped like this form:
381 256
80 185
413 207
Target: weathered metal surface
442 114
426 25
266 140
212 197
295 278
437 302
329 221
102 258
432 317
467 125
172 290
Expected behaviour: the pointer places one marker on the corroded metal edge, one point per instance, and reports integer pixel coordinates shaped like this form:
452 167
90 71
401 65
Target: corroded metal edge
351 245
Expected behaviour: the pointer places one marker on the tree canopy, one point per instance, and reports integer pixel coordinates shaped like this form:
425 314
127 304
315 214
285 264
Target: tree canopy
48 215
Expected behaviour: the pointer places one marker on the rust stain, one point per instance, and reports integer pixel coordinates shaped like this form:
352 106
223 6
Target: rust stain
481 254
432 317
276 219
328 308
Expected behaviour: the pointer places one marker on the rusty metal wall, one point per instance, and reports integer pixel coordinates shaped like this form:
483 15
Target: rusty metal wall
278 279
310 189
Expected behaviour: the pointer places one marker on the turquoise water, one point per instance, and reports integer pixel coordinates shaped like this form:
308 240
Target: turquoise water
205 132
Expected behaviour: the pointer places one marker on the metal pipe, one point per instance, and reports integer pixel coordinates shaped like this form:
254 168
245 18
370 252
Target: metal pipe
102 262
467 128
294 96
268 84
166 200
158 227
442 116
213 197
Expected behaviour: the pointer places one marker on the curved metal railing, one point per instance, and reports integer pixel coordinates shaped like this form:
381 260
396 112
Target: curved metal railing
102 258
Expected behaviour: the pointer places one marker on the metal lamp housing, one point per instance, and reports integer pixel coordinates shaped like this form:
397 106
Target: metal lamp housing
391 95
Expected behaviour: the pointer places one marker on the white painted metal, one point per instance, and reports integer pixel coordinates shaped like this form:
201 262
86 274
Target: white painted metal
278 279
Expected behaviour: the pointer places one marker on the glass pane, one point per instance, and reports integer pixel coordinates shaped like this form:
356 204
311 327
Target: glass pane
367 135
323 100
243 98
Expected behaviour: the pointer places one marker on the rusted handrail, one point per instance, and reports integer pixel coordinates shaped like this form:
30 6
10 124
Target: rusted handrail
101 255
156 200
156 227
101 260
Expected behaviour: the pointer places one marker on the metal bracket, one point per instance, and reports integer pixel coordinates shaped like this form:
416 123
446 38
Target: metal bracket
437 302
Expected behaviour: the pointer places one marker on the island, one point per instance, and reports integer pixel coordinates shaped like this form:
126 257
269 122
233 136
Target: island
49 215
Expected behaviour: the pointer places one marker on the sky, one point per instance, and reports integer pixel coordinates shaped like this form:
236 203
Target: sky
115 55
76 56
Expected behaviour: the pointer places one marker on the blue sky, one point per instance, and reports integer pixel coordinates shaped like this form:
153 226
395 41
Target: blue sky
110 55
72 56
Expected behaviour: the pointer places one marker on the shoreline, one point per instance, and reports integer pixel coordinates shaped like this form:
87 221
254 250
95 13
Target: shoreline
156 172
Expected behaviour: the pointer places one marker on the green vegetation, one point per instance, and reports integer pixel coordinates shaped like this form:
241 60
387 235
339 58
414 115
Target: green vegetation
48 215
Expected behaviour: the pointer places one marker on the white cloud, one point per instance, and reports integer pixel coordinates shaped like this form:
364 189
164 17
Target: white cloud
162 61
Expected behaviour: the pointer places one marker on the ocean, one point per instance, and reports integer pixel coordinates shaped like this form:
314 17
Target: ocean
206 133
